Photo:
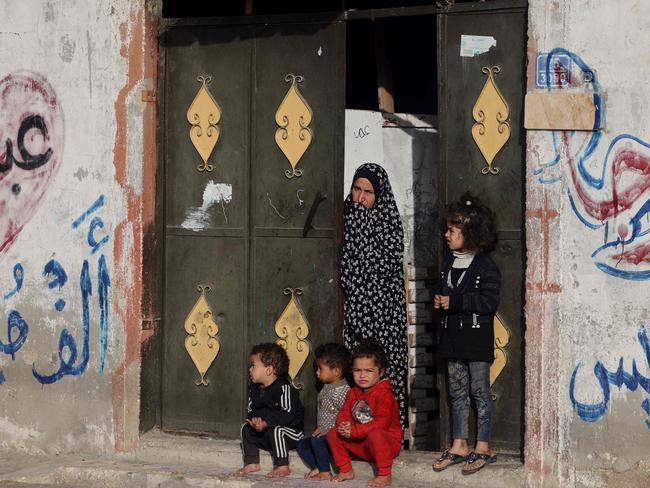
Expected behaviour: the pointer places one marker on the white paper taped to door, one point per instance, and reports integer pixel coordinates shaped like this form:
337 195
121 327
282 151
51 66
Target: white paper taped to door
471 46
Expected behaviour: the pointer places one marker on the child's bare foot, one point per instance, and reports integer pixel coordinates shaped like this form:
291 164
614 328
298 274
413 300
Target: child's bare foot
312 474
323 476
279 472
381 481
249 468
348 475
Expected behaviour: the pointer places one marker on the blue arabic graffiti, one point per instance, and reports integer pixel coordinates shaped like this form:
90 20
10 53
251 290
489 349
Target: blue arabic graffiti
72 362
103 282
66 341
97 204
592 412
19 274
55 269
14 323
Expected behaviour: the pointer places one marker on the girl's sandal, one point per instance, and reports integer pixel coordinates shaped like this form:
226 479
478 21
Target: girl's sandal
475 457
447 455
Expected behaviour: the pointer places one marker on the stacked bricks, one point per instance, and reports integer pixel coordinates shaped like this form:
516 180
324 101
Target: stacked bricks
423 408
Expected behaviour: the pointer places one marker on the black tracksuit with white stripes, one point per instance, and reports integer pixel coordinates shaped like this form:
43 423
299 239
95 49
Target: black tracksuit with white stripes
279 406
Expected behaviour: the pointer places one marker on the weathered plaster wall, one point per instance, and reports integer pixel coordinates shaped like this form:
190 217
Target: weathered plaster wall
74 197
588 269
407 148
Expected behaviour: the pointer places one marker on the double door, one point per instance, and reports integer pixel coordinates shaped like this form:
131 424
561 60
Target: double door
245 232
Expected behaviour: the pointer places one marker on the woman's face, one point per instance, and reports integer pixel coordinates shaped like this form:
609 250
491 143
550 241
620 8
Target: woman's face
363 192
455 237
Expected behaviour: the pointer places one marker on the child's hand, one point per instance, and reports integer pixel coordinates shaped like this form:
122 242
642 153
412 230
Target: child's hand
344 429
441 301
316 432
257 423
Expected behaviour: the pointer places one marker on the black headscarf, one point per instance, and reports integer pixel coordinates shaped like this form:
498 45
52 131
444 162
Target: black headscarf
372 277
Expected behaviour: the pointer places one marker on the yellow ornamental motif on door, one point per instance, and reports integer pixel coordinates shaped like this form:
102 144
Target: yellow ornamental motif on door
201 343
501 340
293 118
204 114
292 329
492 129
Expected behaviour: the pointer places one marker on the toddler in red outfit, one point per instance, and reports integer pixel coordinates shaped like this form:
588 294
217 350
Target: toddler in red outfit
368 425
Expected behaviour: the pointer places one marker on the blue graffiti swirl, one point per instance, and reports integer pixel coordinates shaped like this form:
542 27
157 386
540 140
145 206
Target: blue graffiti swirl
592 412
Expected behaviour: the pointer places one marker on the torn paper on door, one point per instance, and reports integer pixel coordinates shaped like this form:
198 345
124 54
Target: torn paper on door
471 46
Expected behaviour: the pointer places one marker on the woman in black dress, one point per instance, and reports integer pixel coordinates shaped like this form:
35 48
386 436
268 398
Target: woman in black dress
372 273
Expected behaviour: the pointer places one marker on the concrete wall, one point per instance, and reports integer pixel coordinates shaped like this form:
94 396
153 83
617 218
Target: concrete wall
588 269
73 203
407 148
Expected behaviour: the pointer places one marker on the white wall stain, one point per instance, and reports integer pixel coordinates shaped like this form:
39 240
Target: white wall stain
199 218
13 431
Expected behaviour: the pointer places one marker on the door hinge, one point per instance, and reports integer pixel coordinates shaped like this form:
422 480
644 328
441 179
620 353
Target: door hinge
148 95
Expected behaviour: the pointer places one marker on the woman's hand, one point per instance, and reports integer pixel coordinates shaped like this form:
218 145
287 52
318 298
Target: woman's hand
441 301
316 432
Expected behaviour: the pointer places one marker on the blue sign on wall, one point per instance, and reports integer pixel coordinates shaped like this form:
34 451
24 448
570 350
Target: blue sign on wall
559 71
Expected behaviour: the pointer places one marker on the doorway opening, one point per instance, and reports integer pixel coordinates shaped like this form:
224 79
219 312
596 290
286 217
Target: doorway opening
408 104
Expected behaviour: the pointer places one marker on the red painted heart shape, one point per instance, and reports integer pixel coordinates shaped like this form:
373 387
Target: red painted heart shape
31 148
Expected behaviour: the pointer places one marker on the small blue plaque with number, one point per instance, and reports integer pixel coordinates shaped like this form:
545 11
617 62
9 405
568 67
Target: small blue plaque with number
559 71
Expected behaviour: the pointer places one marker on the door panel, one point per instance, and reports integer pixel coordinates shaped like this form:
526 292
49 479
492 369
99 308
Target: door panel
507 390
212 52
461 83
248 262
314 52
283 257
292 263
221 264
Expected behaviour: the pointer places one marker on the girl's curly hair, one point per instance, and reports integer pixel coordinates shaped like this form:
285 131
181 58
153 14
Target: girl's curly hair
475 220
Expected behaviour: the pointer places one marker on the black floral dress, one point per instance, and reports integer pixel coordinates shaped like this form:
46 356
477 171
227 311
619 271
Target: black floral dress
372 277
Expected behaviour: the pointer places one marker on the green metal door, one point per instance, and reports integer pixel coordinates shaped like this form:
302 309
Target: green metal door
240 228
462 79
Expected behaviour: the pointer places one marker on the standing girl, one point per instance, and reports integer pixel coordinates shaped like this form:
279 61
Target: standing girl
372 273
468 298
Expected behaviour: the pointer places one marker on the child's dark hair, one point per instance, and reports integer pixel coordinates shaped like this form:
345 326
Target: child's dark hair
370 348
334 355
272 355
475 220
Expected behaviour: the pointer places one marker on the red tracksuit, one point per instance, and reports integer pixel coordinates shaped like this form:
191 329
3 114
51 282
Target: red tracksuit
376 434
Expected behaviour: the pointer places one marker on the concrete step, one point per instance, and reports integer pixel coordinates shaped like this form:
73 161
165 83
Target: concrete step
173 461
410 467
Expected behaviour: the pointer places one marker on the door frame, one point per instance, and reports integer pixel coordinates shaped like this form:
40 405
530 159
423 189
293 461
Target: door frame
153 272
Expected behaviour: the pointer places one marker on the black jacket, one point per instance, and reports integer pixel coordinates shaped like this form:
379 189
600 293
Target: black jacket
466 330
278 404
